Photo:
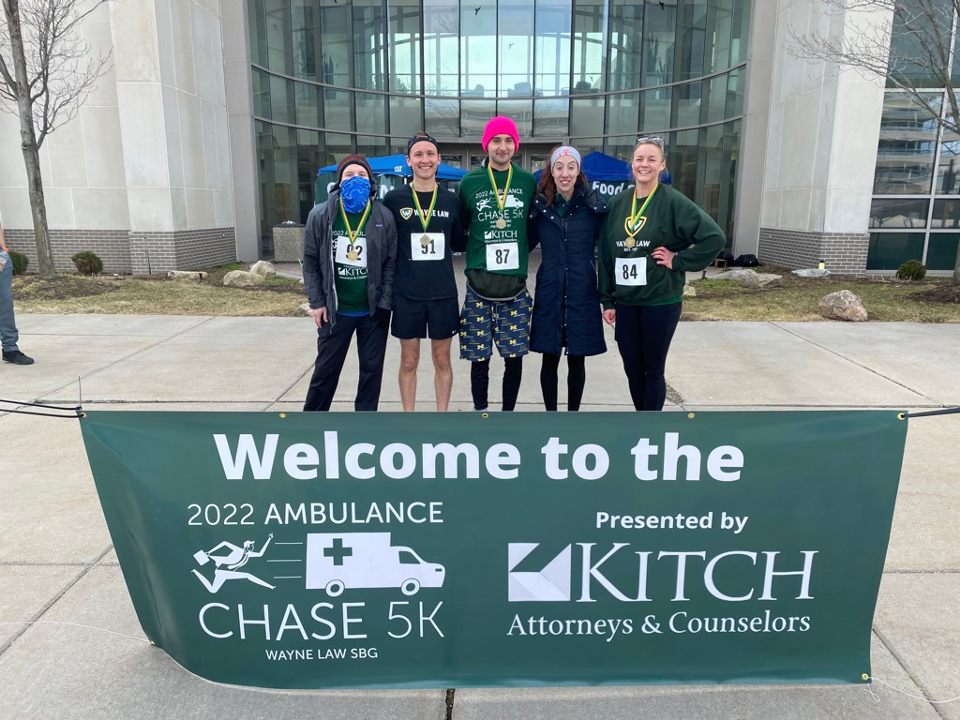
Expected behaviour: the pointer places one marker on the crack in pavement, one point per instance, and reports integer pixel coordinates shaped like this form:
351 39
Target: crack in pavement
27 624
854 362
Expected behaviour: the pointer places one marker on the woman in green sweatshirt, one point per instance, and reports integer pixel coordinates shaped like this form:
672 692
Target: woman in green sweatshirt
651 237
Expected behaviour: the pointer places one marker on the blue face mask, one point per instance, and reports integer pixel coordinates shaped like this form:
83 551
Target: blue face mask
354 192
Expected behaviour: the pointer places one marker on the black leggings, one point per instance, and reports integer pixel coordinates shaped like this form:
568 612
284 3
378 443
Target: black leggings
643 335
576 378
480 382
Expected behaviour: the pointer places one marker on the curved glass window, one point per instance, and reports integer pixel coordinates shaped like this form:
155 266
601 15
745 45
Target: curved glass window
331 77
551 55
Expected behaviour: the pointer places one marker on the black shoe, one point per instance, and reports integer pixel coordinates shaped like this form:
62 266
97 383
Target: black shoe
17 358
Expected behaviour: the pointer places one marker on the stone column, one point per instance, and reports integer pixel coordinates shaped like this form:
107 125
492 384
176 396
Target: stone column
168 59
823 130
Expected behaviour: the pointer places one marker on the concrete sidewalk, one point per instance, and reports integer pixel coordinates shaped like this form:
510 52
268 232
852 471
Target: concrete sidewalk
71 646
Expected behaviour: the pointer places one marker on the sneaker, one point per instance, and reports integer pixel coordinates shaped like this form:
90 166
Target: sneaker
17 358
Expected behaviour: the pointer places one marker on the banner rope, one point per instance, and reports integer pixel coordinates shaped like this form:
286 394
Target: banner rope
145 641
928 413
903 692
79 625
63 411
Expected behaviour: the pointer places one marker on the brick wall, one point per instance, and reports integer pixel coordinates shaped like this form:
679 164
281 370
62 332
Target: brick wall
844 253
206 248
126 252
112 246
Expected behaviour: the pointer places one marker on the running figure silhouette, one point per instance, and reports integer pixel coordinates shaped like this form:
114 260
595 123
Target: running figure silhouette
227 564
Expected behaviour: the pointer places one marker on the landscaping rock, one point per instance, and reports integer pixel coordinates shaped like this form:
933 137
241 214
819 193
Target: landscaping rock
242 278
689 290
264 268
843 305
812 273
763 280
751 278
736 274
186 275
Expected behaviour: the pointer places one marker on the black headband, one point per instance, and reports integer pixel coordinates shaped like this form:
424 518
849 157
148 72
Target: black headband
421 137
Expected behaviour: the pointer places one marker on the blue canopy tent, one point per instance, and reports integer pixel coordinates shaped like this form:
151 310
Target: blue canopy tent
598 166
389 165
608 175
397 165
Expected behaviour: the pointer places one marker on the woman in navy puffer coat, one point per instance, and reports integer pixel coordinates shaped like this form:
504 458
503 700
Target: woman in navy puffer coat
565 220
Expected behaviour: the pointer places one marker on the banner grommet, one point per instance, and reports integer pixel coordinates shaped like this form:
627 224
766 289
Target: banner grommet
691 416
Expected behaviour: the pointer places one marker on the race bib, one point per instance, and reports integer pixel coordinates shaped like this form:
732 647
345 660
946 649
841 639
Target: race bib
353 253
427 246
503 256
631 271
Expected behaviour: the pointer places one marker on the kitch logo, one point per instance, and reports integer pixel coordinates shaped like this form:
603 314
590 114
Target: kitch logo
551 582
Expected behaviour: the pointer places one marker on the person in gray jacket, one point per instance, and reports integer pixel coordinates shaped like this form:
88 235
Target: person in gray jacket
349 254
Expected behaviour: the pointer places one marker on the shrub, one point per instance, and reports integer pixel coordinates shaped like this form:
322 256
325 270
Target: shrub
87 263
911 270
20 262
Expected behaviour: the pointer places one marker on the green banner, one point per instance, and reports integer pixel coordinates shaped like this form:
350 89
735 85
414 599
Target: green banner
464 549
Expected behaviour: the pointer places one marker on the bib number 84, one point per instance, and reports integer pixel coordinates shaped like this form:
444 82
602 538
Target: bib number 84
631 271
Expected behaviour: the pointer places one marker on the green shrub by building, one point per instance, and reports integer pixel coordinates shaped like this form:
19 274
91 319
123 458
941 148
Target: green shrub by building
20 262
911 270
87 263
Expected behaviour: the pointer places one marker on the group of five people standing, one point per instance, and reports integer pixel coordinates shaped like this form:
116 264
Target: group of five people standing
624 264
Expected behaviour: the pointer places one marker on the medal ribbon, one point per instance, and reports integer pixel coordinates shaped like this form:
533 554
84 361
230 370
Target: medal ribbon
424 216
363 219
636 215
501 201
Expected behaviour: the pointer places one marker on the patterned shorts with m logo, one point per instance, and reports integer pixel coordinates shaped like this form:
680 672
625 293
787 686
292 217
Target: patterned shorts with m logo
504 323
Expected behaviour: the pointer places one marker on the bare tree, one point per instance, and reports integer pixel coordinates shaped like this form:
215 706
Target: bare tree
923 36
46 73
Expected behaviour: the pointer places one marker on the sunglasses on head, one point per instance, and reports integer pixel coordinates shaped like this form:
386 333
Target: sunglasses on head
653 139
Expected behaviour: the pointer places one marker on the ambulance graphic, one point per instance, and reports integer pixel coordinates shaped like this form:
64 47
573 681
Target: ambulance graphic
362 560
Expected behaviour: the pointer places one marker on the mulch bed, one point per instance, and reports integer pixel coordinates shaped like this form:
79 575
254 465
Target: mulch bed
63 287
946 293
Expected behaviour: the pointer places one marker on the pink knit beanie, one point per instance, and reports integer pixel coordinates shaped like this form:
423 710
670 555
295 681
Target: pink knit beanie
500 125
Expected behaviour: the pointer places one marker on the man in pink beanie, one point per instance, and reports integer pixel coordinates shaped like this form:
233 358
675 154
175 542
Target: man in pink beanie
495 201
500 125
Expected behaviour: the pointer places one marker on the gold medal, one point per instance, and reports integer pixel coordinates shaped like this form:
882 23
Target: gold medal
636 219
424 216
425 241
352 254
501 195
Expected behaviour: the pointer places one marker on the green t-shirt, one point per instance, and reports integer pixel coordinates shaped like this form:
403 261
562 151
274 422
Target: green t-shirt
497 242
350 265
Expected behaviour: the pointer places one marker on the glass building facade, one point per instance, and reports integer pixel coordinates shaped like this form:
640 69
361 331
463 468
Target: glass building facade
331 77
915 212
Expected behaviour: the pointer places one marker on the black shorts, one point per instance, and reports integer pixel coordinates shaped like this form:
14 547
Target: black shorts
436 319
